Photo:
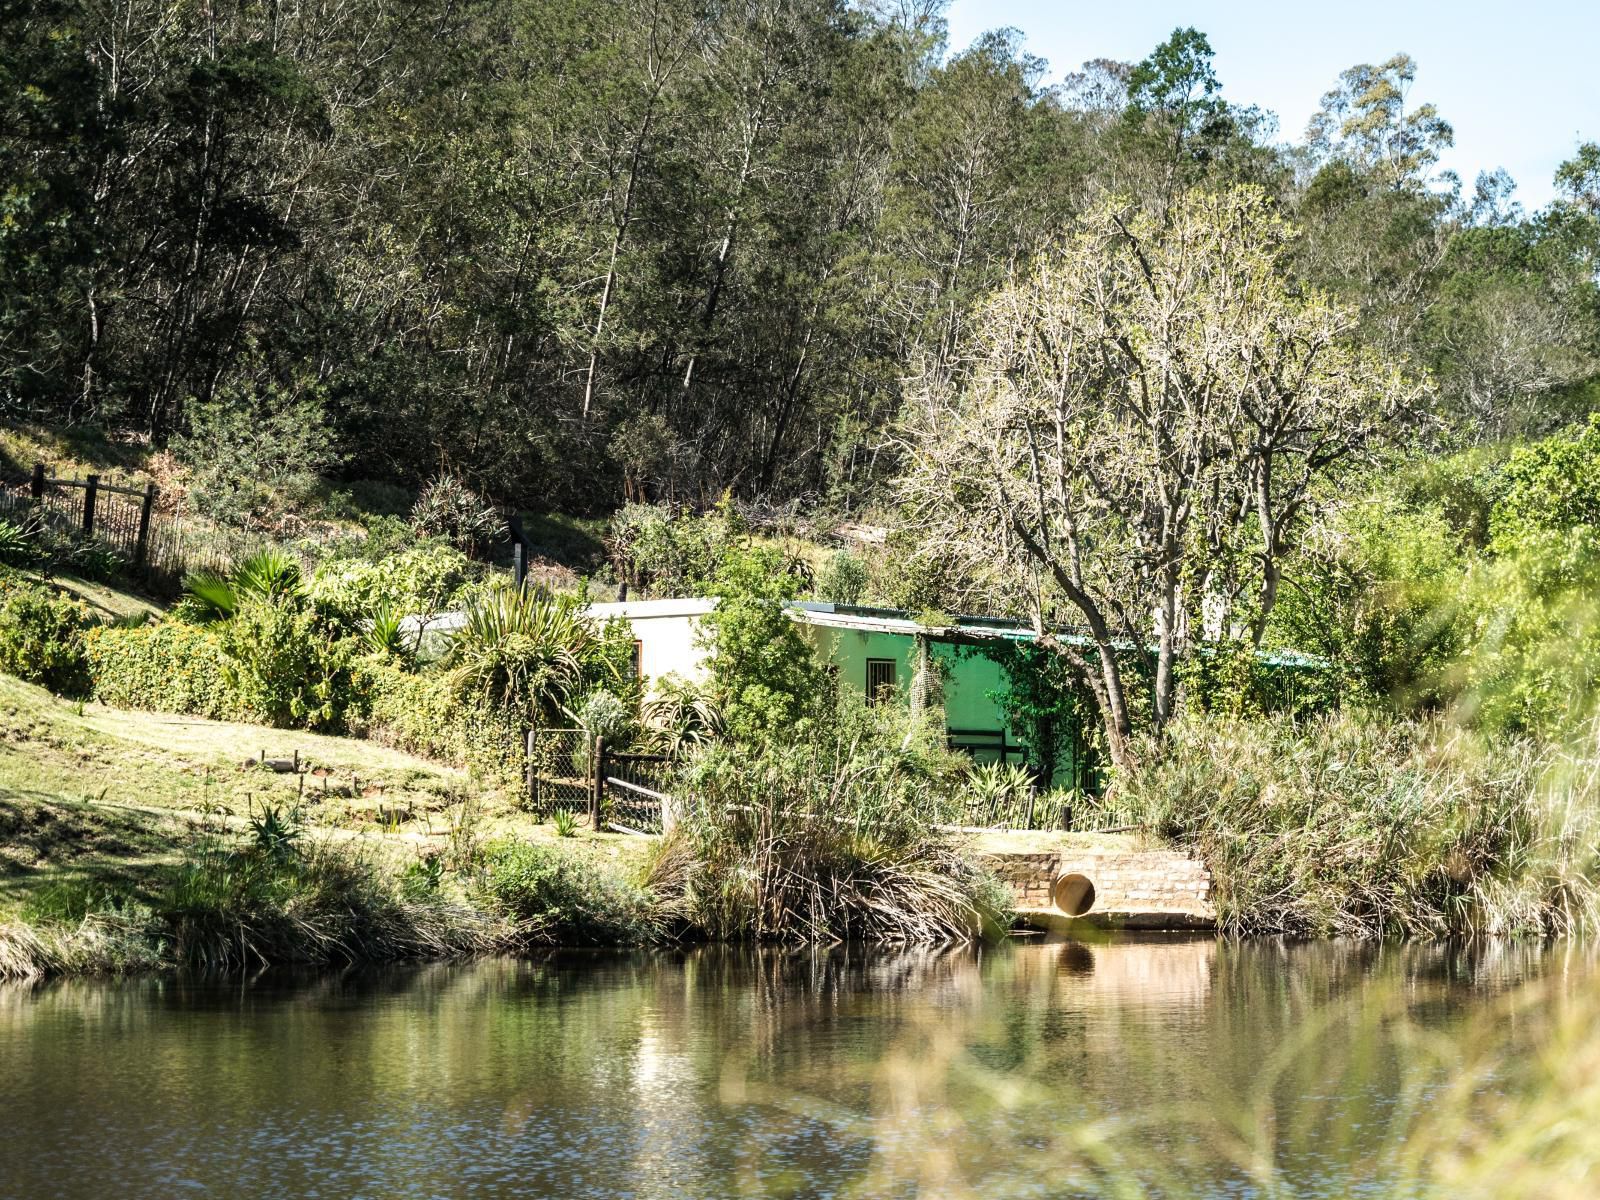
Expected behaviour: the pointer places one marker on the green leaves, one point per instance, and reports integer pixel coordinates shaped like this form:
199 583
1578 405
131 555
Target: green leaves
525 651
266 575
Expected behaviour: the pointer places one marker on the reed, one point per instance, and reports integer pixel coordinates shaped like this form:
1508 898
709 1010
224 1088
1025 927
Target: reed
827 840
1354 825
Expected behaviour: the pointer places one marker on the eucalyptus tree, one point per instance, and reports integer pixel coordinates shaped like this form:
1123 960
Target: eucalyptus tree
1143 425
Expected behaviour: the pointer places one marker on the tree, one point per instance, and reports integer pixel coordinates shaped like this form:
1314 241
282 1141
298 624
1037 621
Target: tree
764 677
1147 418
1365 122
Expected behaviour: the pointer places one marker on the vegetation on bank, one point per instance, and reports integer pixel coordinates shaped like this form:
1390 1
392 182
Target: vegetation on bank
282 881
1353 825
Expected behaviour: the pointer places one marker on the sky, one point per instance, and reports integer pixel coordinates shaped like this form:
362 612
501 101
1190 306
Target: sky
1517 81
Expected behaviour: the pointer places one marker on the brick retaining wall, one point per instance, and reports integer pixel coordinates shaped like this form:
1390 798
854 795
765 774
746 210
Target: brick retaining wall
1138 887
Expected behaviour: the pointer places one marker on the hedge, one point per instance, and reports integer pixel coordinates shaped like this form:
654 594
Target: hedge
42 635
425 716
168 667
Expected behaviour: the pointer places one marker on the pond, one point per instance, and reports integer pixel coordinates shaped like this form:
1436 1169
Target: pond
1160 1065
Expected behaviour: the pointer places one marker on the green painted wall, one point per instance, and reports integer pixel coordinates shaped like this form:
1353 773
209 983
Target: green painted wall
968 682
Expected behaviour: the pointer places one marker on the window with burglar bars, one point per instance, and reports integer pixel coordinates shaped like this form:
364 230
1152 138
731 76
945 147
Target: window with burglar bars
880 679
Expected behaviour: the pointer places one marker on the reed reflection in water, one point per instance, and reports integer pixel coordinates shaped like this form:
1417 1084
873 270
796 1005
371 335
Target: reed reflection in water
1158 1066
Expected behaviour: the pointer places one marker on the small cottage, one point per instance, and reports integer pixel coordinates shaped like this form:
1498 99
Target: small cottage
889 657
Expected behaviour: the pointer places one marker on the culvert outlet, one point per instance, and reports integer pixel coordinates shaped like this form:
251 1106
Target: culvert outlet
1074 894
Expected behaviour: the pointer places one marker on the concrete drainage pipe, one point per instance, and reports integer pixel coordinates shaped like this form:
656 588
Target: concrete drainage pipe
1074 894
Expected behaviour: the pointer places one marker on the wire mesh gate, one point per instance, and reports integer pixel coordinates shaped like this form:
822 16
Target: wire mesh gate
635 790
568 770
560 771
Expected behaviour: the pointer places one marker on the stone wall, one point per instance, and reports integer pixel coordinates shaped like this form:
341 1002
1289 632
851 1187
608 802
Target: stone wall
1133 887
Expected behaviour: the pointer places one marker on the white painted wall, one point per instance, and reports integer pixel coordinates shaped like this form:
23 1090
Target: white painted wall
665 630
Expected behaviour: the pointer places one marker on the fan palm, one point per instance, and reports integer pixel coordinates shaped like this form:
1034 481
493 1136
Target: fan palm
265 575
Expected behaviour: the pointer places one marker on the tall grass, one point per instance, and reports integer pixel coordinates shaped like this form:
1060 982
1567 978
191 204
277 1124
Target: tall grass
1354 825
556 898
235 908
827 840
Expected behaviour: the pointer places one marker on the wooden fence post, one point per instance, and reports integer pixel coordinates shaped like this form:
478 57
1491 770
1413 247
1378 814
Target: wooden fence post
38 482
141 548
90 491
595 797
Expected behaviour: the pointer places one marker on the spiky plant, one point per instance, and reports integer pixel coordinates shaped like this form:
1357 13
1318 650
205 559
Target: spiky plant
264 575
384 633
681 716
523 650
17 548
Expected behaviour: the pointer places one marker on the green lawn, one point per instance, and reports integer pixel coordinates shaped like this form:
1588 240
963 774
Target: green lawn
91 793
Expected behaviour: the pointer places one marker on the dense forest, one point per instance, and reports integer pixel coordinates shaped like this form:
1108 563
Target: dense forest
589 251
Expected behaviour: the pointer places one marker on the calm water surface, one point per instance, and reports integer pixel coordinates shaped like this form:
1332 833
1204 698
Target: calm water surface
1026 1070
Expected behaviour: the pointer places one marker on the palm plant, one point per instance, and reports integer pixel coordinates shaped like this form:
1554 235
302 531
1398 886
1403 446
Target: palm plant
524 650
17 548
265 575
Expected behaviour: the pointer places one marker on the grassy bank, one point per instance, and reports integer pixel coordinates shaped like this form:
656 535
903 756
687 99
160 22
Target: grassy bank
1362 826
134 840
138 841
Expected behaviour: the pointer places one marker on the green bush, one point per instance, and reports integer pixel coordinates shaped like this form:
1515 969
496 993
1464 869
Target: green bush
286 668
448 508
426 715
843 578
763 672
42 636
420 714
662 550
17 545
423 579
559 898
168 667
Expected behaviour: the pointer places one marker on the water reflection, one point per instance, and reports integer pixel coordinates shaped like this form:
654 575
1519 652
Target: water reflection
1034 1069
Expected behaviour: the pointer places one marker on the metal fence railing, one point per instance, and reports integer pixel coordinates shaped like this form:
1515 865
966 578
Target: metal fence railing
637 790
157 545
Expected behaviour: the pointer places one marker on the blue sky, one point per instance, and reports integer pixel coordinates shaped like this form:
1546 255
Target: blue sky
1518 81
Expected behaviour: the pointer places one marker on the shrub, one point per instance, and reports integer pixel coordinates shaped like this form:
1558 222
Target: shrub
603 715
420 714
763 672
557 897
168 667
17 548
251 455
268 574
41 636
448 508
843 578
423 579
426 715
285 668
659 549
